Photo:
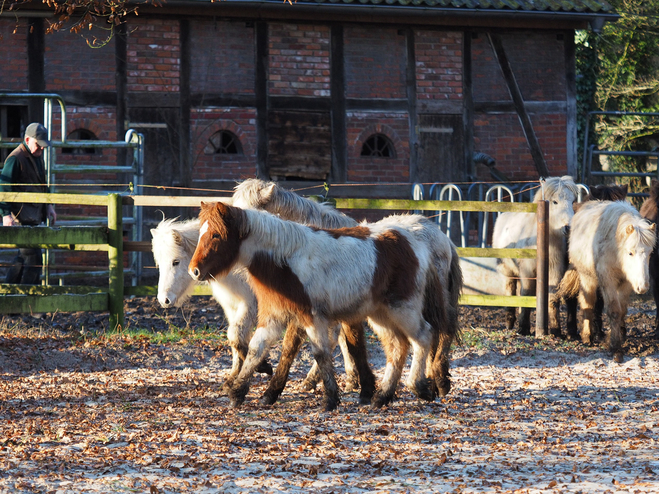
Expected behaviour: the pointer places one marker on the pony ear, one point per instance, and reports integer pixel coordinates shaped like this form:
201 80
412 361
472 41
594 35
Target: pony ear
153 232
652 227
178 238
629 229
624 188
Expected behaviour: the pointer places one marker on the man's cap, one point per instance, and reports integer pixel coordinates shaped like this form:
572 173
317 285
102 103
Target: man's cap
38 132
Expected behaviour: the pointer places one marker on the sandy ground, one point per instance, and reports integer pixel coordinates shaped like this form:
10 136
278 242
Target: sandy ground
120 414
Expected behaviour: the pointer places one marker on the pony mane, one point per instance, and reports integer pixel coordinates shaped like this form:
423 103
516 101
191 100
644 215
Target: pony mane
165 234
259 194
554 186
279 237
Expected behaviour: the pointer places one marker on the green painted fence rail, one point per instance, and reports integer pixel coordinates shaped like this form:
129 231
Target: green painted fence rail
31 299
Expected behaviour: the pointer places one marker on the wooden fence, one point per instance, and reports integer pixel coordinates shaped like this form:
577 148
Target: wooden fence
43 298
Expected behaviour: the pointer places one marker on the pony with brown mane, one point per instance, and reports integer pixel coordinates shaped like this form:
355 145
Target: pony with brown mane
520 230
650 211
254 193
595 193
381 272
610 249
174 242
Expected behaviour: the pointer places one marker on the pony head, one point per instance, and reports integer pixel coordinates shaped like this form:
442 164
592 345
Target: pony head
253 193
172 245
561 193
220 236
636 239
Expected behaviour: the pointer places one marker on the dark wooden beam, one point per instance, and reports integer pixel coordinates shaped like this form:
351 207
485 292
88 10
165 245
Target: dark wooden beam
261 91
518 101
509 107
339 170
36 82
410 82
121 85
468 115
571 101
185 168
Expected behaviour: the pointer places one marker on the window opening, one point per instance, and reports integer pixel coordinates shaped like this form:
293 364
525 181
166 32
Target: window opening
378 146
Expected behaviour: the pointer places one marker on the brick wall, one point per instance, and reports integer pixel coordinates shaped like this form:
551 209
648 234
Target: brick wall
209 167
63 70
222 57
501 137
374 63
153 55
438 65
361 126
299 60
13 56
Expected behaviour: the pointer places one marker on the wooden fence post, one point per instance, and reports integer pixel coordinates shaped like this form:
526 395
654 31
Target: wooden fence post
116 262
542 278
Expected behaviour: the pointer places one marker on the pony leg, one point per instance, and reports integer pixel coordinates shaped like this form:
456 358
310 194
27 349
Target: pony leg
554 315
356 346
396 348
598 323
572 322
352 376
587 300
293 340
511 312
617 310
417 380
654 282
262 341
322 343
441 372
528 288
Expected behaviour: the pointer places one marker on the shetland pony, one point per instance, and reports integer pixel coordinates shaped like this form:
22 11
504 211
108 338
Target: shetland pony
316 278
595 193
268 196
173 243
650 211
520 230
610 248
254 193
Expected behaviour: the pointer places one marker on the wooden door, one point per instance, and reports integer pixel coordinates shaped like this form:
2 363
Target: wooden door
440 156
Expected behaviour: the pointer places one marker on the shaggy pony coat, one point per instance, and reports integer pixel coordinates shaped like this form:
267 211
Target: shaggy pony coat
317 278
650 211
610 248
520 230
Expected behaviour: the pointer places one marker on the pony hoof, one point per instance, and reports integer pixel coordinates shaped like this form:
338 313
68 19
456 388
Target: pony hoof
225 389
573 336
443 387
264 368
524 332
351 385
309 385
268 399
330 405
365 400
618 357
380 400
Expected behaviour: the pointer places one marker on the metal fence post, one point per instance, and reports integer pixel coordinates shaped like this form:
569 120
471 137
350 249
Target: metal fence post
542 277
116 262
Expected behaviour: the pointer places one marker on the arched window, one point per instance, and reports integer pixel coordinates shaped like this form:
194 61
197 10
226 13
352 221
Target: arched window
81 135
223 142
378 146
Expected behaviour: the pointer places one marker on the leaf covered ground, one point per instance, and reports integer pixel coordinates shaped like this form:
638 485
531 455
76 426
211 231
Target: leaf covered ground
83 410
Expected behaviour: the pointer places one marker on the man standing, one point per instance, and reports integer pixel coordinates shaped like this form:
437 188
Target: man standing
24 171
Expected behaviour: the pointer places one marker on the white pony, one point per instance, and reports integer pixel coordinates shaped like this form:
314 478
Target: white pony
173 243
610 247
317 278
520 230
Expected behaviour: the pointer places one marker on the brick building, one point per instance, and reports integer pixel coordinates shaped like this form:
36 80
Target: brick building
363 92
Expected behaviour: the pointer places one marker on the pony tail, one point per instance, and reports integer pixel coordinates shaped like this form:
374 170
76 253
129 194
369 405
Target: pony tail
455 283
569 285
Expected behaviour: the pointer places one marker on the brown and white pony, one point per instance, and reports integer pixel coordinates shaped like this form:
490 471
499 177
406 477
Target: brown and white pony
610 247
381 272
519 230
